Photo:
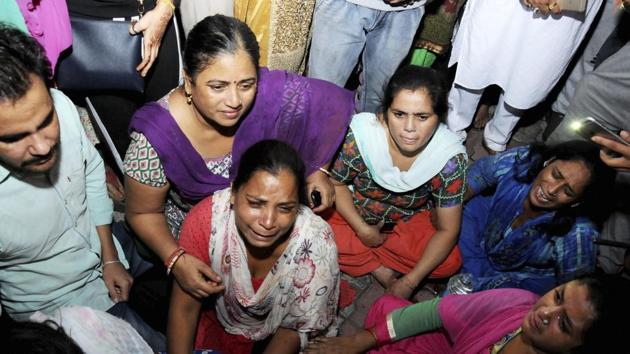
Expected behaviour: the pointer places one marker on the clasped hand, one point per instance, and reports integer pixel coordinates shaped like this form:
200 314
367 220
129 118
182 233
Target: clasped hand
118 281
371 235
320 182
196 278
621 161
401 287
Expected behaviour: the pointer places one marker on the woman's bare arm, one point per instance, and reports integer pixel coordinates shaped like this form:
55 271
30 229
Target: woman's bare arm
145 214
183 315
284 341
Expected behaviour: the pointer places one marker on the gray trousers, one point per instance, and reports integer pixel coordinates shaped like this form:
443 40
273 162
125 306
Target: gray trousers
602 26
605 94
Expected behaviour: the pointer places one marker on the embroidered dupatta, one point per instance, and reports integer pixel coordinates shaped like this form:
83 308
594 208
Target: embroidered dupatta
301 290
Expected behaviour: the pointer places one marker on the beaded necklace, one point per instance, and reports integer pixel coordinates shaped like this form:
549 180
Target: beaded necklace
498 346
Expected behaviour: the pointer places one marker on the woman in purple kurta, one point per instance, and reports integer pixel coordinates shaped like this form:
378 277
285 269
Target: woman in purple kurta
188 145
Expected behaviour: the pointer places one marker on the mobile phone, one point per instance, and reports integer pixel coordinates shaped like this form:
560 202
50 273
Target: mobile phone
572 5
590 127
316 198
388 227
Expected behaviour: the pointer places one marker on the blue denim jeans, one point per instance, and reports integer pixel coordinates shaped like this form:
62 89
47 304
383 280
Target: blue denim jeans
342 30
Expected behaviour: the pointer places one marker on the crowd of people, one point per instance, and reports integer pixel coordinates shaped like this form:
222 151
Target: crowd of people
250 189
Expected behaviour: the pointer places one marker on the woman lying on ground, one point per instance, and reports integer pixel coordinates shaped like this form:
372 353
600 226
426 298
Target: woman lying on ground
274 272
535 230
188 145
402 165
581 316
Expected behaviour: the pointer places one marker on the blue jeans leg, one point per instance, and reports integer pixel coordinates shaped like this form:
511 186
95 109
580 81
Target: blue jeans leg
342 30
338 39
388 42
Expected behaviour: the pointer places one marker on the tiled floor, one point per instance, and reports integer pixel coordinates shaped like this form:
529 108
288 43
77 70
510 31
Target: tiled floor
353 320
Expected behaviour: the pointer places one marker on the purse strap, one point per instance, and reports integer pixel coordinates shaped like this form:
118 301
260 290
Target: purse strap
141 8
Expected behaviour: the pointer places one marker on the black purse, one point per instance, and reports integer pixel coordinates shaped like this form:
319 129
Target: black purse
104 56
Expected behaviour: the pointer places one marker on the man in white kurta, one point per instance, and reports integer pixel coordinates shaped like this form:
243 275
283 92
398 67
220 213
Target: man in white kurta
525 52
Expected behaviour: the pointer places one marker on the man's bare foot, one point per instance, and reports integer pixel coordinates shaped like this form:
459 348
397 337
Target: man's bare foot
385 276
358 343
482 116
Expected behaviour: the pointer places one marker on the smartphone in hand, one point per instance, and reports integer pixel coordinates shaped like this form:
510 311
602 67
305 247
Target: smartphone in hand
316 198
590 127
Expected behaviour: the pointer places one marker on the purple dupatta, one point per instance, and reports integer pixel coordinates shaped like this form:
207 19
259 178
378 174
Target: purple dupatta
309 114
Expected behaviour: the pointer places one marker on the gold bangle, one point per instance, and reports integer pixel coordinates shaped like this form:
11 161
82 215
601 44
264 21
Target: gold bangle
169 2
325 171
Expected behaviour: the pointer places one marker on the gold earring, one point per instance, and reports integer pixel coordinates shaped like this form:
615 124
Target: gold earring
188 97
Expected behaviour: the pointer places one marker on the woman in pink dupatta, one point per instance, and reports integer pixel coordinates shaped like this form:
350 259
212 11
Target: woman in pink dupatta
578 316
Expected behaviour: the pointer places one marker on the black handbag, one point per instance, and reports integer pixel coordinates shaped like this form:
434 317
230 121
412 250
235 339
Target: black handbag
104 56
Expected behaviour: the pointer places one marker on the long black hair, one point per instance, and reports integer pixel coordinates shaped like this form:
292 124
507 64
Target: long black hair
36 338
601 179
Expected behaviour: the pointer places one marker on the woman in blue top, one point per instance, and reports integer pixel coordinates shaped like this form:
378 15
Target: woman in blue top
535 229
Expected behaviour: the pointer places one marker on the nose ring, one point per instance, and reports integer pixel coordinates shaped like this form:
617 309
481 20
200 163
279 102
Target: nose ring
545 321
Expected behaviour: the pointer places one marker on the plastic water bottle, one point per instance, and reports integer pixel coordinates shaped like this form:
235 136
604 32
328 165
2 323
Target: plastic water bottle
460 284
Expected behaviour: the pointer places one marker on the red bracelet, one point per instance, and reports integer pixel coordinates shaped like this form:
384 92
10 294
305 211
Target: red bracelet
172 259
